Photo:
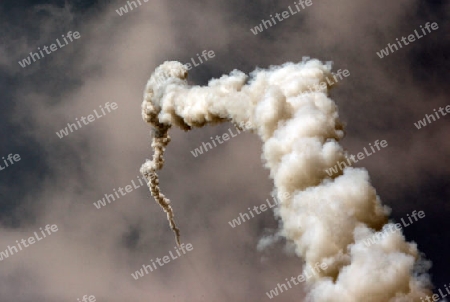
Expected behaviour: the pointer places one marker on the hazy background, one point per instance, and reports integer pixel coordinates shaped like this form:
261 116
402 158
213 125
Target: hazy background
57 180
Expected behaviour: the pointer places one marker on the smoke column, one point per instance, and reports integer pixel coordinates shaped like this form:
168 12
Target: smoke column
327 218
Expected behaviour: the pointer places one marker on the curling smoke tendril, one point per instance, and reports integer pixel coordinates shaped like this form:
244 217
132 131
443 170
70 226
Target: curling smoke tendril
326 217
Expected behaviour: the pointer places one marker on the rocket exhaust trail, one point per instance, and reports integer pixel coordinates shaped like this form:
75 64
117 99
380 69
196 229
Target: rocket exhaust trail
148 170
328 218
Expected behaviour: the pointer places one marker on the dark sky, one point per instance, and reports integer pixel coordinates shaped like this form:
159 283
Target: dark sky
57 180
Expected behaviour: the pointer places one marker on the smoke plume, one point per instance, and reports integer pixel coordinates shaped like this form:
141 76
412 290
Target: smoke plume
328 218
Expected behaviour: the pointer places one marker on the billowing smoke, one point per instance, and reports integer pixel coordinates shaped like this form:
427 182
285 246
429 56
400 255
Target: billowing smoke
328 218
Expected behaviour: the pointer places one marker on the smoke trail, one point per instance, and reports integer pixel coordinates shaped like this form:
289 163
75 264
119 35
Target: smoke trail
327 218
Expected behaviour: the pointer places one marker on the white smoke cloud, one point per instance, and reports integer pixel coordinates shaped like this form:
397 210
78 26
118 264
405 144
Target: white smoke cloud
327 218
